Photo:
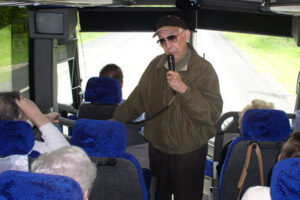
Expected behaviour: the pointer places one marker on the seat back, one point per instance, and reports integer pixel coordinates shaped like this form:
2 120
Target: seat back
96 111
102 96
16 142
16 137
285 180
269 129
119 175
28 186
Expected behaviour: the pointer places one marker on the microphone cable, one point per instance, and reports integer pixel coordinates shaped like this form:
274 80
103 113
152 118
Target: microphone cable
171 65
156 114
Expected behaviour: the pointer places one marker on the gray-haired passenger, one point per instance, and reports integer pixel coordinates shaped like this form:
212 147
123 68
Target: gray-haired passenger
69 161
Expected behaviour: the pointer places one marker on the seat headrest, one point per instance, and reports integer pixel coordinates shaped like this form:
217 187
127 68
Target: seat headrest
99 137
16 137
285 181
103 90
27 185
265 125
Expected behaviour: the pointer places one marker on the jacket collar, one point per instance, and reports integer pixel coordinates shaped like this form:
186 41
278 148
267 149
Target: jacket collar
181 65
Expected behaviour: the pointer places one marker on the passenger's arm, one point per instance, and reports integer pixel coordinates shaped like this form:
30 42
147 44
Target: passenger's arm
32 112
53 138
132 107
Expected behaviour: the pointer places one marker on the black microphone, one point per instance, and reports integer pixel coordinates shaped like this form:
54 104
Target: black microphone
171 65
171 62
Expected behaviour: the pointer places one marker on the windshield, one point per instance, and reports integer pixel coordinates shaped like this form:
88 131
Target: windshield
244 73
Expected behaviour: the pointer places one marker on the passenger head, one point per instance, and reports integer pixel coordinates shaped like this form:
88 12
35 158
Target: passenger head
8 107
112 71
255 104
69 161
291 147
173 35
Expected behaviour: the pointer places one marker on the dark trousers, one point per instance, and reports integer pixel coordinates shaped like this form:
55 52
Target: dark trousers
179 174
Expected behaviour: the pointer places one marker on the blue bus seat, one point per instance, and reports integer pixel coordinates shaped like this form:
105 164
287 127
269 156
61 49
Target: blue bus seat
209 167
28 186
102 96
16 143
16 137
267 129
119 175
285 181
103 90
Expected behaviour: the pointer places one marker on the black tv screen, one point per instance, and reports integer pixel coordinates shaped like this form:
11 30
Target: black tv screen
49 23
57 23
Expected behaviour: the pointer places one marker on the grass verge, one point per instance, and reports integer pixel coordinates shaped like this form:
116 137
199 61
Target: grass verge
278 56
86 36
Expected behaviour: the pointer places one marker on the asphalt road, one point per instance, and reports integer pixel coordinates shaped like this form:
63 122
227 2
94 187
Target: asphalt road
239 81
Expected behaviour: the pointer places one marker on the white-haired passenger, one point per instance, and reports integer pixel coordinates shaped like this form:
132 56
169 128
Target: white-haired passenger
69 161
255 104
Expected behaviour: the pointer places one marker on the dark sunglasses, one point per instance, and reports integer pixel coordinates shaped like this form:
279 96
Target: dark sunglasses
170 38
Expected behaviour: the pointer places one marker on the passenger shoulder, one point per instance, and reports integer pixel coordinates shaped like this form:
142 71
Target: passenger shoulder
257 193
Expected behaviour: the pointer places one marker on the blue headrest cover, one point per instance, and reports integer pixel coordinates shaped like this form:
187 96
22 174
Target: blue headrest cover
285 181
16 137
103 90
28 186
265 125
99 137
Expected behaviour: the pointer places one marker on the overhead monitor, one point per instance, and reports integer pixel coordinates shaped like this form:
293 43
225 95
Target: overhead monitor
58 23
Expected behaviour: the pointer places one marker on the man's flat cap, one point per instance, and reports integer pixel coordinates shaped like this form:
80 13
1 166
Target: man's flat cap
169 23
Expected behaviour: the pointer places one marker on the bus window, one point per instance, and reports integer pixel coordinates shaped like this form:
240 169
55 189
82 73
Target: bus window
64 92
14 44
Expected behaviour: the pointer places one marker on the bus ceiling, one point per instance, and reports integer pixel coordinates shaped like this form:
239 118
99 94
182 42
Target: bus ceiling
280 6
144 19
267 17
69 3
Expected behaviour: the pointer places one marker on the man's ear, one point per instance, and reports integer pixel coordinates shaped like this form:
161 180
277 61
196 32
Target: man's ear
187 34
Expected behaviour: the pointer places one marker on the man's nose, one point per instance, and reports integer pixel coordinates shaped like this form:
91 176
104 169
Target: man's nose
168 44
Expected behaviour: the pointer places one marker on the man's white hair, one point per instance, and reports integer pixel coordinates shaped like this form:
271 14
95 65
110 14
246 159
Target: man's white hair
69 161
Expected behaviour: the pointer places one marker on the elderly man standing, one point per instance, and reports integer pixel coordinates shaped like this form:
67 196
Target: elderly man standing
177 136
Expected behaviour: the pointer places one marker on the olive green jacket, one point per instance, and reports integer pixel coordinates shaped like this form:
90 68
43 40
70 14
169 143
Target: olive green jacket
190 121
